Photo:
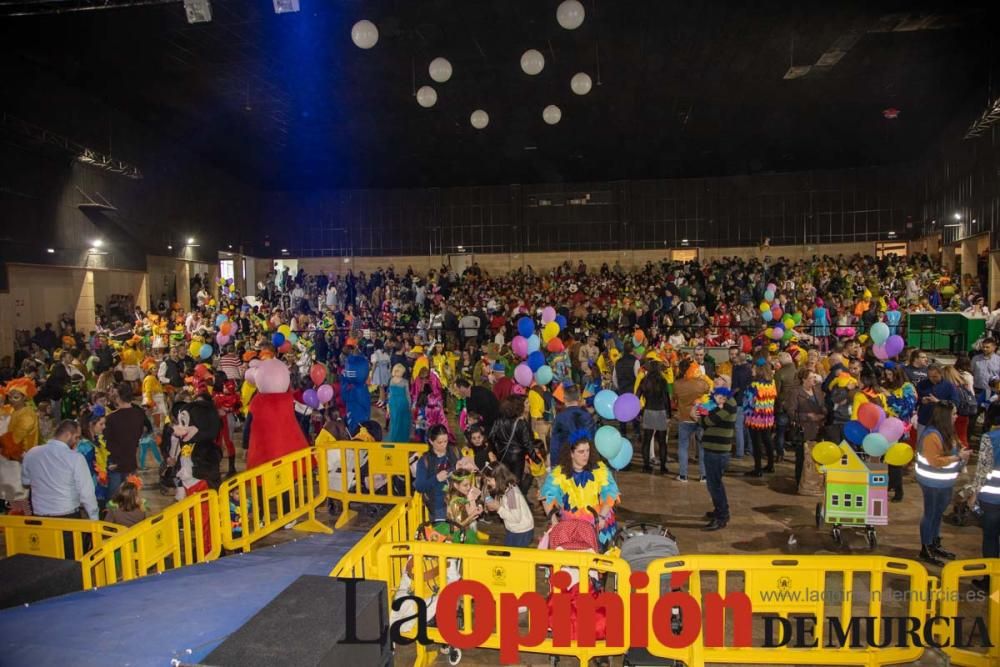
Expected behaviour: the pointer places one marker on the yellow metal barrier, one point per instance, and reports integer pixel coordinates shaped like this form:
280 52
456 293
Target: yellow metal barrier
824 587
969 602
502 570
356 470
41 536
185 533
399 525
270 496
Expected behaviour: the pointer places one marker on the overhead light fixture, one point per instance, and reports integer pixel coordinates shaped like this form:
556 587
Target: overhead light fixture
50 250
230 247
958 216
347 260
285 6
461 248
190 240
684 241
198 11
97 243
954 224
892 233
284 251
170 247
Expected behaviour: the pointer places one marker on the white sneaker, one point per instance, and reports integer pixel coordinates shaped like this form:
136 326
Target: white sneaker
681 478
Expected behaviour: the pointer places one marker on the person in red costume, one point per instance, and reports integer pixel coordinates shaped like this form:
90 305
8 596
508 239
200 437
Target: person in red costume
227 403
274 431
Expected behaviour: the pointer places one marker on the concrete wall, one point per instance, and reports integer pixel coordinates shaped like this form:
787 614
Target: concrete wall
500 263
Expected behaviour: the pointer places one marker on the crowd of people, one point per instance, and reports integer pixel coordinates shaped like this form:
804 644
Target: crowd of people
431 359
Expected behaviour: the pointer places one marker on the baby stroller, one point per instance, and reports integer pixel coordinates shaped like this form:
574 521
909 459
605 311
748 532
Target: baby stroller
640 544
430 531
571 534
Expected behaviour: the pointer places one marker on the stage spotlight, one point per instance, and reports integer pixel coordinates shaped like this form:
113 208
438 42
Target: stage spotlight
198 11
285 6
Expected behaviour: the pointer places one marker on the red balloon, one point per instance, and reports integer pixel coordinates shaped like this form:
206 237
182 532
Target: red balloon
869 415
555 345
318 374
285 347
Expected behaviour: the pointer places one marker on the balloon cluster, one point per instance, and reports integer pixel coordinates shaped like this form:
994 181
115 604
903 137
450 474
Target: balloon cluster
885 346
283 339
323 393
877 435
613 447
225 328
528 346
770 311
199 350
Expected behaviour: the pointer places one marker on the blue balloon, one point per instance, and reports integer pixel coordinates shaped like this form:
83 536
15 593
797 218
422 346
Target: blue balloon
534 343
219 319
624 456
608 442
767 315
855 432
543 375
525 326
278 339
561 321
604 403
536 360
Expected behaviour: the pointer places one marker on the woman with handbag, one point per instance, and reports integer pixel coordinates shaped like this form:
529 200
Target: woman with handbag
511 439
807 411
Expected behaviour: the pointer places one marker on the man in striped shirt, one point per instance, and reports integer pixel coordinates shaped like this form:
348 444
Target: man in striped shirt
719 433
229 364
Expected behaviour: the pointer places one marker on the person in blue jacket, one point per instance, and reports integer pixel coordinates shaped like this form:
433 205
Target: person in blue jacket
931 391
433 469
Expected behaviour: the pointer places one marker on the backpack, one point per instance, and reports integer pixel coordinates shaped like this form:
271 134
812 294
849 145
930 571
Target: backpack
967 404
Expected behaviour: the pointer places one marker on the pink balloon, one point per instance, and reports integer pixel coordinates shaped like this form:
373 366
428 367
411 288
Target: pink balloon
325 393
548 314
523 375
221 338
892 429
880 352
520 346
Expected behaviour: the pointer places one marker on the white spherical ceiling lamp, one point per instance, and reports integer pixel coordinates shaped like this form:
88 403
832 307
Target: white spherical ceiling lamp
532 62
479 119
427 97
364 34
552 114
581 83
440 70
570 14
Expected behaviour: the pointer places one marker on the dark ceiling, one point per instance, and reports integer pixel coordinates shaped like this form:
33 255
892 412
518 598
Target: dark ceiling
683 88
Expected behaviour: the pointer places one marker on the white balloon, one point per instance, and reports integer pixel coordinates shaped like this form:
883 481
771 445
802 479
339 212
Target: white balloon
440 70
570 14
581 83
551 114
479 119
427 97
532 62
364 34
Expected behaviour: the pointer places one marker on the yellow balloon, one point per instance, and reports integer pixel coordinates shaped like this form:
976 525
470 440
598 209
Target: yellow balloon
285 330
194 349
826 453
899 454
550 331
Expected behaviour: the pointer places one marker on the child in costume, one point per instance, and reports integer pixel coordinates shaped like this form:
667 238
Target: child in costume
127 508
503 496
153 397
147 443
227 403
462 506
23 430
